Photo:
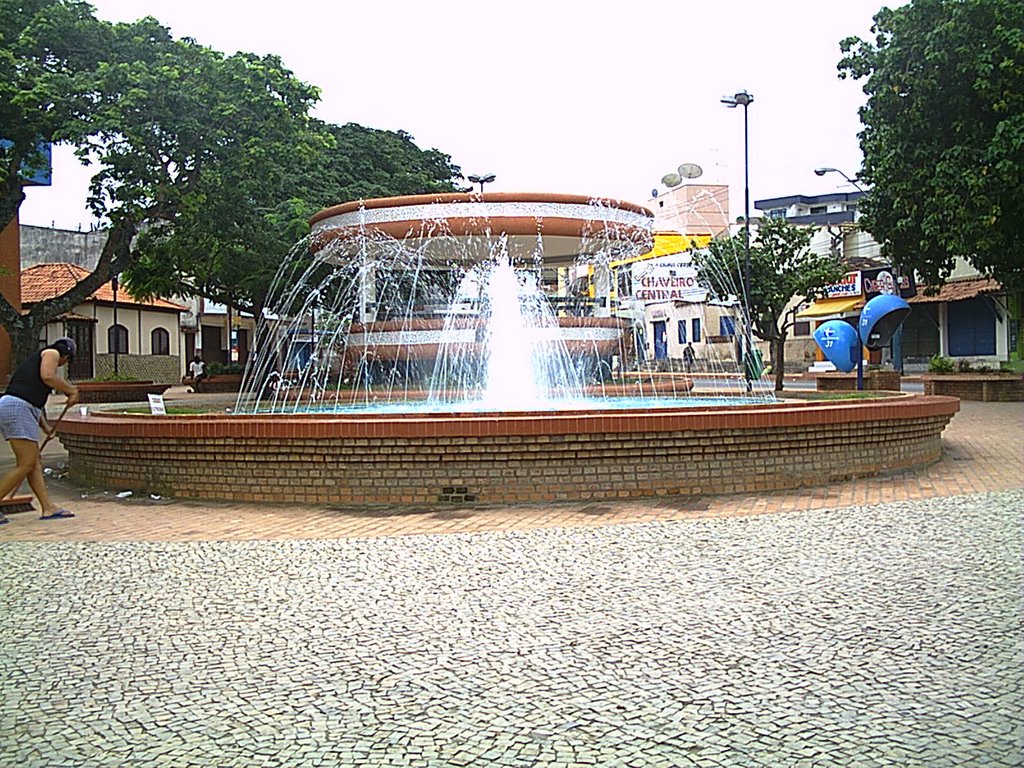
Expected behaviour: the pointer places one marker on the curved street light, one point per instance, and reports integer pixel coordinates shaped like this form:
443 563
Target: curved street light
823 171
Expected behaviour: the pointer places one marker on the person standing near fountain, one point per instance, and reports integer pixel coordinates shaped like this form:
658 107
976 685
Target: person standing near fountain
22 413
689 356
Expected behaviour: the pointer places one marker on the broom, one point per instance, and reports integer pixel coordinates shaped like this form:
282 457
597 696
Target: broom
23 503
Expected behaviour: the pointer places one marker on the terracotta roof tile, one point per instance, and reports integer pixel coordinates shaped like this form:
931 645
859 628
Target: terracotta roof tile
957 289
45 281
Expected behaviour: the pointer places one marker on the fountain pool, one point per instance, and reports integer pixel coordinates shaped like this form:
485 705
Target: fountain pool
443 349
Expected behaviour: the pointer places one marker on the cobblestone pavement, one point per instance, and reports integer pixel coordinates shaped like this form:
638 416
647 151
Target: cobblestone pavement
877 623
885 635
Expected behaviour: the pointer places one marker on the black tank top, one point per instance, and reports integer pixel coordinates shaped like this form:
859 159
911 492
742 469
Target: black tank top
27 384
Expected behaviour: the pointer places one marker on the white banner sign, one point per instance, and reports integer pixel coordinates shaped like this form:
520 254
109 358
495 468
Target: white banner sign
667 279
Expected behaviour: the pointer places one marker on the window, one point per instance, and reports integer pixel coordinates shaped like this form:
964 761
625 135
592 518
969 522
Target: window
696 329
682 331
777 213
726 326
802 328
160 341
819 209
117 339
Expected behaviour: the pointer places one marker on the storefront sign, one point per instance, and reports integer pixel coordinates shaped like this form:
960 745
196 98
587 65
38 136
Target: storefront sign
667 279
883 281
847 288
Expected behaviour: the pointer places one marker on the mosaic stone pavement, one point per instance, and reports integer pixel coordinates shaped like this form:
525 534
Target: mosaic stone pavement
881 635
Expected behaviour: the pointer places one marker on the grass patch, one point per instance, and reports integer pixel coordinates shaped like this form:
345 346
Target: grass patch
173 410
847 395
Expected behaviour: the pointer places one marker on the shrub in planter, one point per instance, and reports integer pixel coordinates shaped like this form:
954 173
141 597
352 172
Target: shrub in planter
940 364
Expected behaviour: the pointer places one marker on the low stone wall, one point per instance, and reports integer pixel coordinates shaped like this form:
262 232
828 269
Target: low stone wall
986 387
219 383
879 381
505 458
118 391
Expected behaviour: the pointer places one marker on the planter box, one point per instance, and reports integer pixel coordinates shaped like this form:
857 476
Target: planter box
874 380
118 391
986 387
222 382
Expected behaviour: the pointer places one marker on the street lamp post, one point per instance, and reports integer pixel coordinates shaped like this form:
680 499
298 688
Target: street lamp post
744 99
116 330
481 179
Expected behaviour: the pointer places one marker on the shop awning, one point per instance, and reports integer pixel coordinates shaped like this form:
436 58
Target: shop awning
828 307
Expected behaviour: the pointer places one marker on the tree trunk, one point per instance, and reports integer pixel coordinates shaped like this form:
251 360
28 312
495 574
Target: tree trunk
779 343
24 340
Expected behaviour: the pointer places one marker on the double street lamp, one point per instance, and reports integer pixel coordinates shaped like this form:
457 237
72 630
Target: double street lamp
481 180
744 99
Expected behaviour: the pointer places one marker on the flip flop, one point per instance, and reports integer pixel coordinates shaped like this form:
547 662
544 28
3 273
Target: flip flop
59 513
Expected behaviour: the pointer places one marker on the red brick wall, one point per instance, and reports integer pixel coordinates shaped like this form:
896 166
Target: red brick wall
873 380
987 388
503 459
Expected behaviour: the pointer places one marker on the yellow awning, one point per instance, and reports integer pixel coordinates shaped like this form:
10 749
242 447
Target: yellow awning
826 307
667 244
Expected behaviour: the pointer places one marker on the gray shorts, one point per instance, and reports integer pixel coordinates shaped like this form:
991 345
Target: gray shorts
19 419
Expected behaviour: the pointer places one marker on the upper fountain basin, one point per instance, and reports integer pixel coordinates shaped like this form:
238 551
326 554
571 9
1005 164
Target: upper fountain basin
560 227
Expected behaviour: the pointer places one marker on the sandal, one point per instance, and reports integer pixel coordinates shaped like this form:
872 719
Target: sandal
59 513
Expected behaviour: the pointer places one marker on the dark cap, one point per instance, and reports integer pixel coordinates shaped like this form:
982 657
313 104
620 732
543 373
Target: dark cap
65 346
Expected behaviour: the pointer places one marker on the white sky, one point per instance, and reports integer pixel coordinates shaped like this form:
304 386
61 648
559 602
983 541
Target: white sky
592 98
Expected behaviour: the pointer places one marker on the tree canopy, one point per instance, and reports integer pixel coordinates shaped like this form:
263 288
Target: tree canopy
943 137
782 266
207 165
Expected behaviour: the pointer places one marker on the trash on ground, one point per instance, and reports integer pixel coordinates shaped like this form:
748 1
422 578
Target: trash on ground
155 496
124 494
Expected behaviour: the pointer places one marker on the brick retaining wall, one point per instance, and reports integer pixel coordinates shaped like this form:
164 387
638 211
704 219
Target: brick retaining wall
510 458
878 380
978 386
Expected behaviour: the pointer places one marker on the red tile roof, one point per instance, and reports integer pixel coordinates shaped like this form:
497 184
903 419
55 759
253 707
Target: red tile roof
45 281
957 289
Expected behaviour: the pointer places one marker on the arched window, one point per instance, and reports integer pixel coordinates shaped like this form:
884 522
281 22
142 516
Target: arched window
160 341
117 339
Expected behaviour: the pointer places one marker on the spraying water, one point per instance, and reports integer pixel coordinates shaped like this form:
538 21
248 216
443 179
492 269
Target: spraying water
395 303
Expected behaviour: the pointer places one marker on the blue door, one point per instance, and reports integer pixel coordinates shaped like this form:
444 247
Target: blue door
972 328
660 341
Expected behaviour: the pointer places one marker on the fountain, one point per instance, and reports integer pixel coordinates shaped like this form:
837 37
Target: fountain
459 302
431 349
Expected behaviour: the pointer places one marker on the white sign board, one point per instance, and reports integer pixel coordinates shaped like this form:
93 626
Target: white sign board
156 405
669 278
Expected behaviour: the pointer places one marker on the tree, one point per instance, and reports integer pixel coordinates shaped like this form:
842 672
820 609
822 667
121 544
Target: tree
180 134
781 268
337 164
943 136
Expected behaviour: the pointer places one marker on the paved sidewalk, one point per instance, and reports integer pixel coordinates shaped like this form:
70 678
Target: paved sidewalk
983 450
876 623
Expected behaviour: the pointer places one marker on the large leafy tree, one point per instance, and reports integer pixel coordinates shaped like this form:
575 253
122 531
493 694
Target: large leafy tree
180 134
782 266
336 164
943 136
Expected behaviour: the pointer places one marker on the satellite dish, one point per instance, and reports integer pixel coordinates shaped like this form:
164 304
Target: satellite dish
671 180
690 170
